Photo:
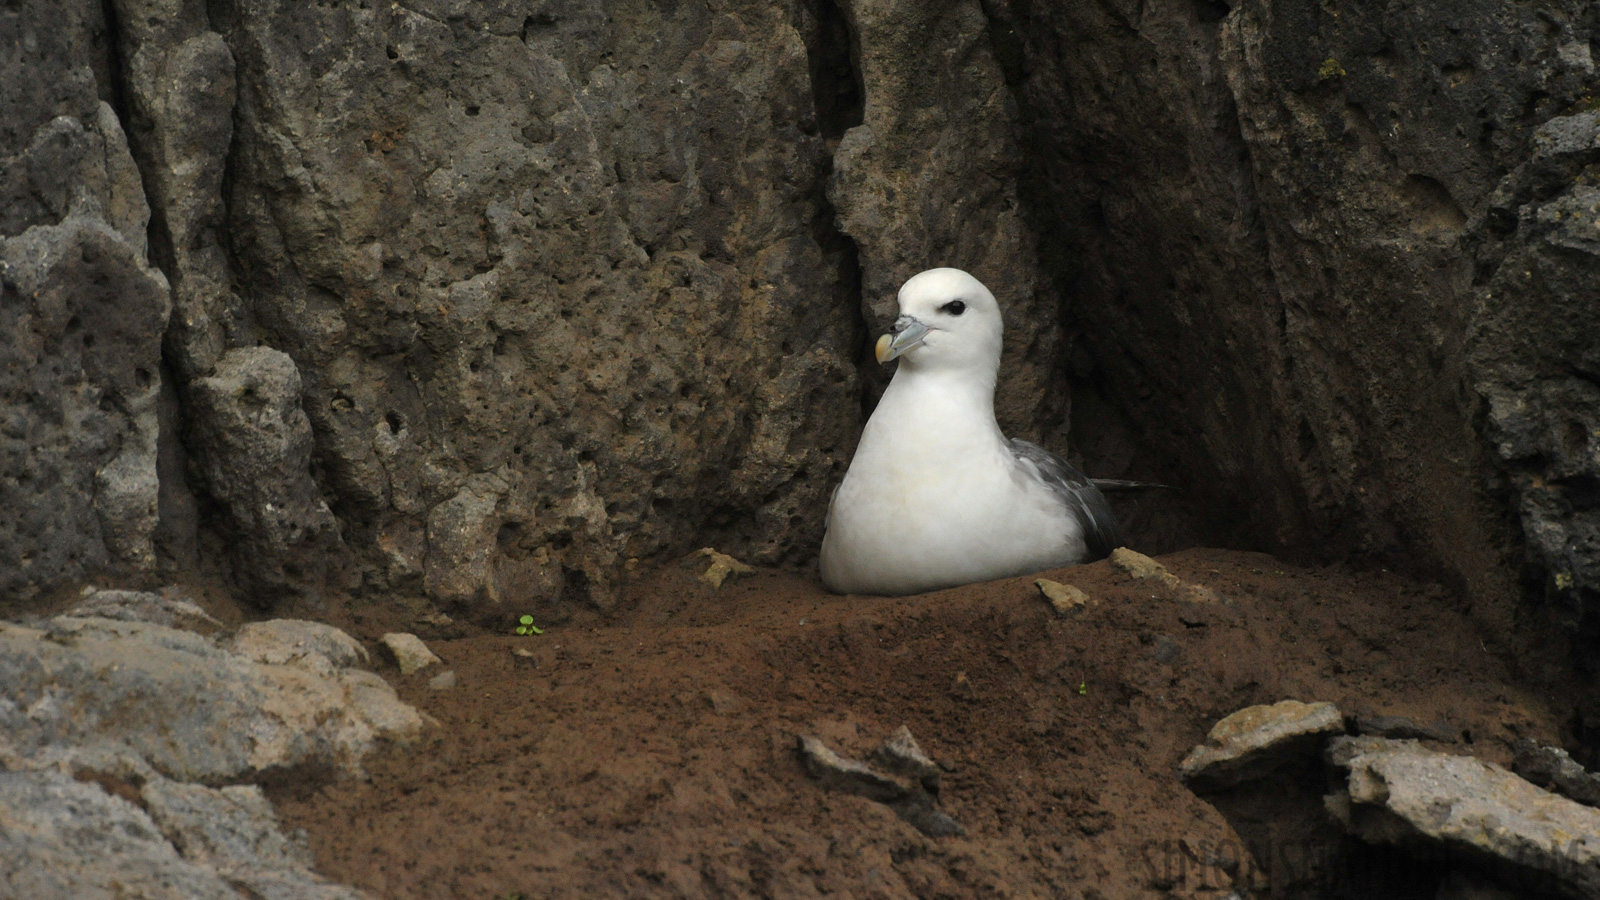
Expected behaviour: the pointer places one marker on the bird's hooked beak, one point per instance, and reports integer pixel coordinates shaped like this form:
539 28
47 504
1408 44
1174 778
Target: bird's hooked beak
906 333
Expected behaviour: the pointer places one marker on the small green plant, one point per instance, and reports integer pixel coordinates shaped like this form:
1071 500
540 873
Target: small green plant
525 626
1331 69
1083 688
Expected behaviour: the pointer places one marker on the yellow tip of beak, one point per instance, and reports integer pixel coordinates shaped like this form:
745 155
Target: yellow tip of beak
881 351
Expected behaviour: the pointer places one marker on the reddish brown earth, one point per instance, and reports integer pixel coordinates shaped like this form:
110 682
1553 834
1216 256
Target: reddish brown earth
651 752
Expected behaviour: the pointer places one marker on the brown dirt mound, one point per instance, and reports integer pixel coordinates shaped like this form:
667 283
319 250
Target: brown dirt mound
652 753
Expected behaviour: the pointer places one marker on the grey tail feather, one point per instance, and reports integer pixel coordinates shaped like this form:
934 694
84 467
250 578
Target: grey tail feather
1118 486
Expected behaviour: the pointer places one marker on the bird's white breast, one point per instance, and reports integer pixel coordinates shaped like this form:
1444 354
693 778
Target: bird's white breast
935 498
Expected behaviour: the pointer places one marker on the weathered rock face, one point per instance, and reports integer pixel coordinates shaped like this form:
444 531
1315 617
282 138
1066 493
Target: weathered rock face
81 313
1535 350
558 280
252 445
1275 217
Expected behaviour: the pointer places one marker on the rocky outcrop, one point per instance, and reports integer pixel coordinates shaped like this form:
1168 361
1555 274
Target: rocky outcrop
114 732
1326 814
132 696
1398 793
177 76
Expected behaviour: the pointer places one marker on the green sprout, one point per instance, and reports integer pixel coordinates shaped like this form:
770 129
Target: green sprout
1331 69
525 626
1083 688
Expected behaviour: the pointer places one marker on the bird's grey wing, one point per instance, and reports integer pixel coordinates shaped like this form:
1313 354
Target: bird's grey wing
1117 485
1084 501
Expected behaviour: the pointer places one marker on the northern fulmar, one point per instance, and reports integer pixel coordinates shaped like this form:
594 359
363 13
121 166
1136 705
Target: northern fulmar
936 496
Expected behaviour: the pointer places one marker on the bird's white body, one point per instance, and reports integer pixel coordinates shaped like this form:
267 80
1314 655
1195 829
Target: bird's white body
935 495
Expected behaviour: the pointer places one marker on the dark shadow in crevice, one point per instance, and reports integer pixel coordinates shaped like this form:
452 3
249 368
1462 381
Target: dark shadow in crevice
838 98
831 56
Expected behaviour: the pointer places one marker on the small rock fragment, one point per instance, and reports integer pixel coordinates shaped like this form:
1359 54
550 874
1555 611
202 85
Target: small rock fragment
409 652
841 774
962 688
1067 600
443 681
900 754
908 794
1258 739
724 703
1142 567
722 565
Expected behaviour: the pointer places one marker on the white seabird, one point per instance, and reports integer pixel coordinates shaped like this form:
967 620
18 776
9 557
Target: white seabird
936 496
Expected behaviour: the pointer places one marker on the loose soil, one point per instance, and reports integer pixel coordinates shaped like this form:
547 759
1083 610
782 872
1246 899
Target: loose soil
651 751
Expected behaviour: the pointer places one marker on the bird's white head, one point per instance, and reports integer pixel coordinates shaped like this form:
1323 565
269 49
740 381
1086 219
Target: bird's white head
948 320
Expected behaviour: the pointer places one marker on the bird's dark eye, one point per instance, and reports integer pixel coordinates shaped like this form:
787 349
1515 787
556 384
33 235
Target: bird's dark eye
954 307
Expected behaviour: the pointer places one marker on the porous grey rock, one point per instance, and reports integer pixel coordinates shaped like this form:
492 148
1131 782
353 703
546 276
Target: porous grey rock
66 838
310 645
140 697
562 283
1249 743
233 832
177 76
1535 349
81 313
1398 792
140 606
253 445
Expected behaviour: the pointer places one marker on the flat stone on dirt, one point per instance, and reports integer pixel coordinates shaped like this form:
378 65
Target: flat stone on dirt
1258 739
409 652
1400 793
